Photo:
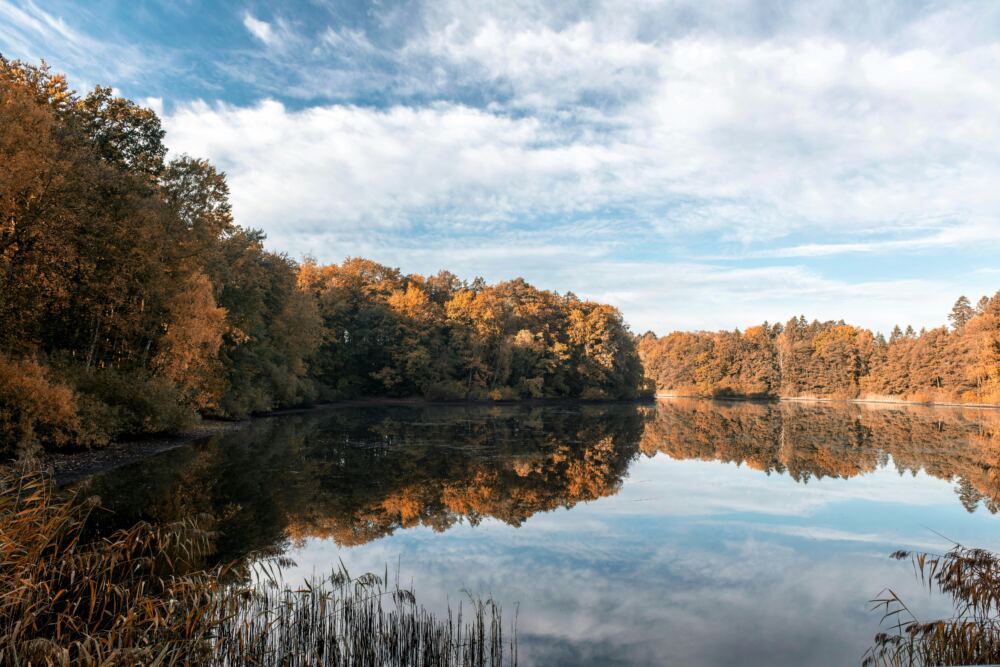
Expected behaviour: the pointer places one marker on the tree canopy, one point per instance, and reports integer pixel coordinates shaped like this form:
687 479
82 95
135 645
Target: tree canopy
131 300
836 360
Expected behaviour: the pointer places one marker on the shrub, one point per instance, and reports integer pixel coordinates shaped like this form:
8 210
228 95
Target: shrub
245 401
647 389
533 387
446 390
133 402
504 394
37 410
593 394
921 396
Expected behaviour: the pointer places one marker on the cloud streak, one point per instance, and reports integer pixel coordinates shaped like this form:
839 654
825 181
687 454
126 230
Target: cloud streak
30 32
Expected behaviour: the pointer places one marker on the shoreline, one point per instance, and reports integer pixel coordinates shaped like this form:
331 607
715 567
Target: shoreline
74 466
68 467
821 399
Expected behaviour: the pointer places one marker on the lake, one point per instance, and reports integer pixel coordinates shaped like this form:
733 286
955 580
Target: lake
686 532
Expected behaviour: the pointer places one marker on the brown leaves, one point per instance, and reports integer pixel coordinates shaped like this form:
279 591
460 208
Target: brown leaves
189 350
35 408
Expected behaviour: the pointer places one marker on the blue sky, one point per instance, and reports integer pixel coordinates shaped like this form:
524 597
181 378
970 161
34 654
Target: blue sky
700 164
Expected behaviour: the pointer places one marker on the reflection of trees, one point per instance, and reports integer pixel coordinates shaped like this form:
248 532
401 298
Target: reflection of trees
245 480
446 466
358 474
509 488
809 440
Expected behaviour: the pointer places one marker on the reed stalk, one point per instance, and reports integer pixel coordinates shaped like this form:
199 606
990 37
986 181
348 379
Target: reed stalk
971 636
141 596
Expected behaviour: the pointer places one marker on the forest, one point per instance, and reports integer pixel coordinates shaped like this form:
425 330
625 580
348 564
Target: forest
958 363
131 301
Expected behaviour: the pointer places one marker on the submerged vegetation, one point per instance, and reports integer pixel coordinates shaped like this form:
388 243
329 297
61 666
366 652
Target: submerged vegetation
141 595
955 364
131 301
971 578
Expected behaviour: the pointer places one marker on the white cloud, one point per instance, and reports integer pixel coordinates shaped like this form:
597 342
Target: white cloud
343 165
345 38
749 140
154 103
545 68
32 33
277 35
262 30
630 151
949 235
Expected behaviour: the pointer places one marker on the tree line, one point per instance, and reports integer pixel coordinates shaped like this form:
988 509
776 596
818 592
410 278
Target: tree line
131 301
955 363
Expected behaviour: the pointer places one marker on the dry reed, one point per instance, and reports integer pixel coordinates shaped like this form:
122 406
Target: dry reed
971 577
142 597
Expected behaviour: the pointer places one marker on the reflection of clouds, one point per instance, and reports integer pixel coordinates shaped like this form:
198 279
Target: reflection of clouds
728 564
822 534
679 486
659 560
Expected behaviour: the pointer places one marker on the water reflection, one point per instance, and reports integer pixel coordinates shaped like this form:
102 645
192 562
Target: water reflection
358 474
689 532
355 475
816 440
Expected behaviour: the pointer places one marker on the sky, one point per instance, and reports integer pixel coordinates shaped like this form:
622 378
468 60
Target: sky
700 164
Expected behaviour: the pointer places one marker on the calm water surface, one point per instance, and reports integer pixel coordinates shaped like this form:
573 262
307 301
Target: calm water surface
685 532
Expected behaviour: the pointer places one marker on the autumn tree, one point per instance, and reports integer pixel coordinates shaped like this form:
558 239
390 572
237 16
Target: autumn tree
125 278
188 350
834 359
961 313
983 372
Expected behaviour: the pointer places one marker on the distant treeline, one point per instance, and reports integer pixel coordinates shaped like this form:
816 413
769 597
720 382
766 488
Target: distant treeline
956 363
130 301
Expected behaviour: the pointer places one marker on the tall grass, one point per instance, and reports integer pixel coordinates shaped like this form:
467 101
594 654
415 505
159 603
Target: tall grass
142 596
368 620
971 577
